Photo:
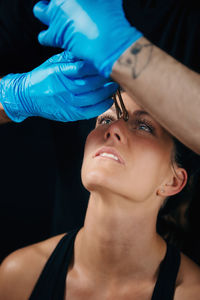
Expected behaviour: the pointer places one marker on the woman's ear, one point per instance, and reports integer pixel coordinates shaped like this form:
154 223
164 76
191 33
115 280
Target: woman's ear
176 183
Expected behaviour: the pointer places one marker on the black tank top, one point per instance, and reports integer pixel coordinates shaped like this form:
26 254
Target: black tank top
51 283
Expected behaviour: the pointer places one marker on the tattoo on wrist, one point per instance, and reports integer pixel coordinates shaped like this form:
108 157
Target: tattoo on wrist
133 61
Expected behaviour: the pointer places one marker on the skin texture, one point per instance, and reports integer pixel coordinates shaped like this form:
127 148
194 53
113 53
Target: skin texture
118 252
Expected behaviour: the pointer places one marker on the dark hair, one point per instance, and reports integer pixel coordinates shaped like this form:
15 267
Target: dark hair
175 219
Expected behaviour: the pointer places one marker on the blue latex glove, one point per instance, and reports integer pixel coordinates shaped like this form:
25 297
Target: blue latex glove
93 30
63 89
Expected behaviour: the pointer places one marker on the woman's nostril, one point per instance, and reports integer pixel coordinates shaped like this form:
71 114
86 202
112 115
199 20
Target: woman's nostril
108 135
118 137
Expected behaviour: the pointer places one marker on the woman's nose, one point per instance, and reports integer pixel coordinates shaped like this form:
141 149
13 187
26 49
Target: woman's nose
116 131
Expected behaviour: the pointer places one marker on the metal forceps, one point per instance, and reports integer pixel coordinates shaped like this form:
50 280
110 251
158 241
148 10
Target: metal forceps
121 111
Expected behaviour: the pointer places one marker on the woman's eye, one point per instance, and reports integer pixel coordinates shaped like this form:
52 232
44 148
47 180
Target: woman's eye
145 127
105 120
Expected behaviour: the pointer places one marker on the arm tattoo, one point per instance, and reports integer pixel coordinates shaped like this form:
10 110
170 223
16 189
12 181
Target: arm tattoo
133 61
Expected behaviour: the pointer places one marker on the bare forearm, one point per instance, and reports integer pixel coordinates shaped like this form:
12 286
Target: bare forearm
168 90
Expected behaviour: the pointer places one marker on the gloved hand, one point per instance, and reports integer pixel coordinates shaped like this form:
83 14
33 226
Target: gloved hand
62 88
93 30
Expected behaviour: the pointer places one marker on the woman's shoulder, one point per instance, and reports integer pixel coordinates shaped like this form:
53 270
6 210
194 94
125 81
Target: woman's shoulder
189 280
20 270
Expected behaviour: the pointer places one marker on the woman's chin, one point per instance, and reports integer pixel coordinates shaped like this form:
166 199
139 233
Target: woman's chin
94 180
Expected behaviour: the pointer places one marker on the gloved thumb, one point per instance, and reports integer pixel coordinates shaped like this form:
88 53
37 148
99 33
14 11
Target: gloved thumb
40 11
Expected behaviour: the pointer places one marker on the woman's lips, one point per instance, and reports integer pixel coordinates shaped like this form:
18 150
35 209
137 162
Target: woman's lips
110 153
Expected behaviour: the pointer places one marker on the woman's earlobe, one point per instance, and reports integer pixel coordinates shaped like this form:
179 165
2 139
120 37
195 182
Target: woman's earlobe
160 192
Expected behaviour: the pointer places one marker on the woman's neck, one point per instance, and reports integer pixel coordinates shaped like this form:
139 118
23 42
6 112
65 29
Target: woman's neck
118 240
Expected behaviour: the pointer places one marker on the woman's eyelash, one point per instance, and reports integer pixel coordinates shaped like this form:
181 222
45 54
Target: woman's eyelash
139 122
147 124
105 118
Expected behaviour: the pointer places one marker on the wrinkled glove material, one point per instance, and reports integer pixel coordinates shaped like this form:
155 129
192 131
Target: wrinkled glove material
92 30
63 89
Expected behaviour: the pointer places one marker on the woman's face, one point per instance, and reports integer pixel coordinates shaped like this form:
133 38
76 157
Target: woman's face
131 159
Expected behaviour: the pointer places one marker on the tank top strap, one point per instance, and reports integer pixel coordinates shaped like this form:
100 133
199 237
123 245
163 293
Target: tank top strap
165 285
51 283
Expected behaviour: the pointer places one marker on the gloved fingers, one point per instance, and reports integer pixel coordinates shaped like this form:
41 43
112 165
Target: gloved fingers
63 69
94 97
40 11
63 57
79 69
85 85
93 111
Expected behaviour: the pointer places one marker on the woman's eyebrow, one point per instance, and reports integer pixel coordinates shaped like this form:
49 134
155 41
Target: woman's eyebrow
138 113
